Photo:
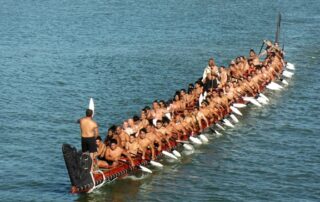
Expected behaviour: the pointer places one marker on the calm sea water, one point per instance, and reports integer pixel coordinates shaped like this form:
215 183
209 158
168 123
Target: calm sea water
55 55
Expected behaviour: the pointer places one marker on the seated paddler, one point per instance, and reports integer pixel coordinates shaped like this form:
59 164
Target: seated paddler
114 154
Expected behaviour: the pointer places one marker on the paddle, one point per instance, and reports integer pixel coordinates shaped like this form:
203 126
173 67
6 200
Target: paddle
142 168
91 106
168 154
274 86
216 132
252 100
265 97
235 110
276 40
154 163
261 100
186 144
238 105
219 126
290 66
285 82
145 169
195 140
228 123
234 118
183 141
203 138
261 47
176 153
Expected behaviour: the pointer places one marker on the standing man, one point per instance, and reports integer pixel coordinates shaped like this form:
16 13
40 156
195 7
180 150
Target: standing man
211 68
89 132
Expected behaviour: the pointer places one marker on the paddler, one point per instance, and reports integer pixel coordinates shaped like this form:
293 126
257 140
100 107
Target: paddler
114 152
132 146
152 135
270 48
89 132
254 58
145 144
157 112
123 136
101 150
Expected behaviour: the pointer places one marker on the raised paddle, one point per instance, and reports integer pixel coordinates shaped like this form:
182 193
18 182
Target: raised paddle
261 47
276 40
91 105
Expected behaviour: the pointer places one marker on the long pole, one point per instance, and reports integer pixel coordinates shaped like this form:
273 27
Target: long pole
278 29
283 40
261 47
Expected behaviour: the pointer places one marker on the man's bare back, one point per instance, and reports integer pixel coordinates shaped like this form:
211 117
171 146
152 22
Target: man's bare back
89 132
88 127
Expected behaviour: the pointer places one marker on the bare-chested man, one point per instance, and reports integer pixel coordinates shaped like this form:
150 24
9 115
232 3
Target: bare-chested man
223 77
127 128
143 120
177 105
133 124
132 146
254 58
113 154
123 136
145 143
189 121
165 109
163 133
254 85
89 132
101 150
157 112
200 118
153 136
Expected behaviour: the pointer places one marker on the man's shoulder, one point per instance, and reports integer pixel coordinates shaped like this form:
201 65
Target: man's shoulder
93 122
81 119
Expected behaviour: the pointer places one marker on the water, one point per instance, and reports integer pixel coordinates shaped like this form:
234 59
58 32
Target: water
55 55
